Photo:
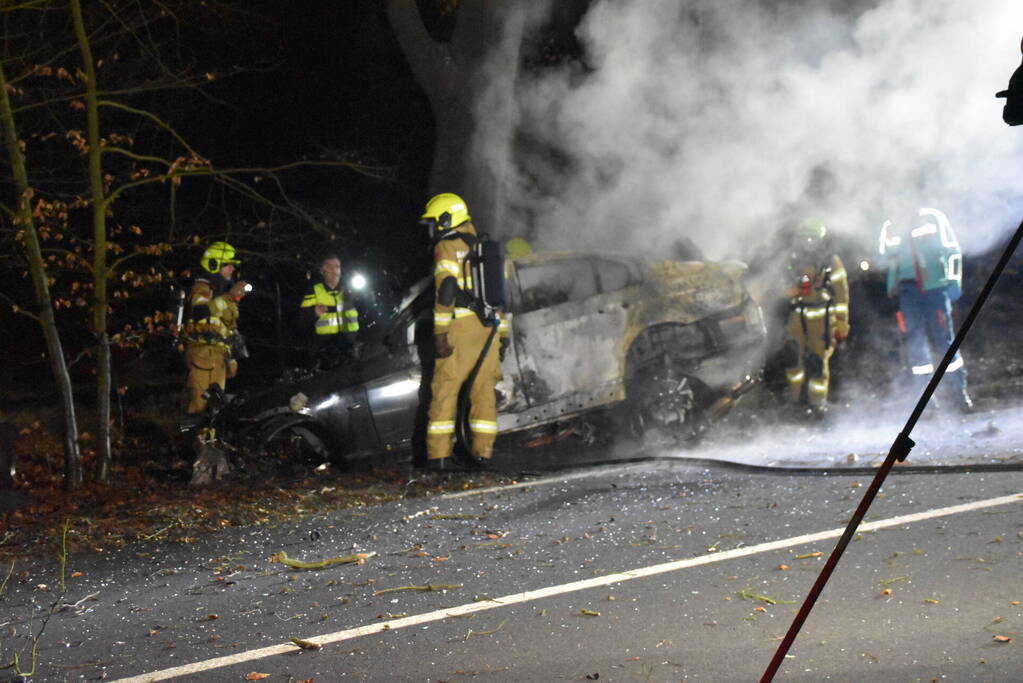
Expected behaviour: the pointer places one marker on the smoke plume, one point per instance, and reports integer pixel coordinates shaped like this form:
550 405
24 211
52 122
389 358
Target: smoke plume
725 121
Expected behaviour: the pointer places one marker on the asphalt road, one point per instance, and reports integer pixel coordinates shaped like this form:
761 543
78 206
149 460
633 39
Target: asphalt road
656 571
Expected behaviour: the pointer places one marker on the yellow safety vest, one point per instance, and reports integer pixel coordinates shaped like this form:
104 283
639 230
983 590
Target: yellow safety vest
340 317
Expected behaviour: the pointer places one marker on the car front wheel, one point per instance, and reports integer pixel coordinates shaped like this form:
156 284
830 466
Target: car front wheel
294 445
666 402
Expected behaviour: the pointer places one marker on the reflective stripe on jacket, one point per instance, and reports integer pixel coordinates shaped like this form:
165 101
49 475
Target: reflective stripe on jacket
340 317
823 290
928 253
213 319
450 260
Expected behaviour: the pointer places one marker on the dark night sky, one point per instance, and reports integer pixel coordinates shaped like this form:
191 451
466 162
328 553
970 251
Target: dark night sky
304 79
336 86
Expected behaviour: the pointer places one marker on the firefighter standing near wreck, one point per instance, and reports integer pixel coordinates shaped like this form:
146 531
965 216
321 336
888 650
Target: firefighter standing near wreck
212 326
330 313
925 274
460 335
818 294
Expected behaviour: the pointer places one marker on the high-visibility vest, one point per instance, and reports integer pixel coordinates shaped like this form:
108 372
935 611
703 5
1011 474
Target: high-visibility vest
930 254
340 316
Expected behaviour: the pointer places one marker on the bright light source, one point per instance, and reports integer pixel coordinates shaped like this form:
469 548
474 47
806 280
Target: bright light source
864 265
329 402
357 282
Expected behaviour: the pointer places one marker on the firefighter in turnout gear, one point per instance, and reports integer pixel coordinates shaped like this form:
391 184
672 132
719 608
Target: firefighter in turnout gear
818 294
211 332
925 274
330 313
460 335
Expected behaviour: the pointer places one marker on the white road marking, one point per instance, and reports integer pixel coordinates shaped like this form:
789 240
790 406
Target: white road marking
550 591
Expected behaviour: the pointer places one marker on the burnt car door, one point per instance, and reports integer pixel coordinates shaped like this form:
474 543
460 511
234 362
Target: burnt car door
568 331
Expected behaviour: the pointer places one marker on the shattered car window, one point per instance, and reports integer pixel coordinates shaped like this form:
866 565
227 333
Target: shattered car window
548 284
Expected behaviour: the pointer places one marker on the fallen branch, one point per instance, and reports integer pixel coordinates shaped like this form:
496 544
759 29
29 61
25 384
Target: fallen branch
294 616
10 571
472 633
306 644
747 594
428 587
888 582
75 605
355 558
157 533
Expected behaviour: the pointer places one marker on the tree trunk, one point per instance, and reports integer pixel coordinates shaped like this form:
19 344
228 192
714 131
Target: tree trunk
99 253
24 219
448 73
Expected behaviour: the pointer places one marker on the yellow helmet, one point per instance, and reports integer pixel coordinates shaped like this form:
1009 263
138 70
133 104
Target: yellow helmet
445 211
517 247
218 255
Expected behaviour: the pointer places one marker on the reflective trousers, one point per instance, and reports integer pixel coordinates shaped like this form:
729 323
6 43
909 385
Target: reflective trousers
811 333
207 365
928 331
466 336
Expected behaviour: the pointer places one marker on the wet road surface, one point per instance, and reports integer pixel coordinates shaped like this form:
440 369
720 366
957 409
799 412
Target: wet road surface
675 569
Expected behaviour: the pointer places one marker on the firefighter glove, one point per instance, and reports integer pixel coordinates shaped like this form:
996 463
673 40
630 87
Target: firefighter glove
442 347
237 290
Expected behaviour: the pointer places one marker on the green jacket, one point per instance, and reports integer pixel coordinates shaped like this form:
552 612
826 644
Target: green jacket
925 251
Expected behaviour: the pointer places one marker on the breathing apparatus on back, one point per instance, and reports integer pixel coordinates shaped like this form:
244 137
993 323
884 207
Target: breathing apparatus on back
483 267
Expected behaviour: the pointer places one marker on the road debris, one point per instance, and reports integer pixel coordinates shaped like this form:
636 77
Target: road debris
748 594
305 644
355 558
491 632
806 556
897 579
428 587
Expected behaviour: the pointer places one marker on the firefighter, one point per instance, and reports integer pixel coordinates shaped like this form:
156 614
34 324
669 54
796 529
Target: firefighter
925 275
329 313
211 331
818 294
459 337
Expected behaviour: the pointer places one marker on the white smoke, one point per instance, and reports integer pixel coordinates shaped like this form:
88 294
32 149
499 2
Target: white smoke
724 120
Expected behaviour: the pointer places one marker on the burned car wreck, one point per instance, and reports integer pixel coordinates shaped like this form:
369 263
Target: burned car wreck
655 343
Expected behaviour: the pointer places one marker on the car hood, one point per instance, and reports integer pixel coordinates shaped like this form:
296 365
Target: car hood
688 291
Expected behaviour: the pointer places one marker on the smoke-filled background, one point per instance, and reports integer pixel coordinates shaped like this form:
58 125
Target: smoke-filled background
729 121
724 121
